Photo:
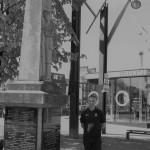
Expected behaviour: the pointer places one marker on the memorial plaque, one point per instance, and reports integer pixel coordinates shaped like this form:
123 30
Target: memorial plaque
20 128
51 129
51 138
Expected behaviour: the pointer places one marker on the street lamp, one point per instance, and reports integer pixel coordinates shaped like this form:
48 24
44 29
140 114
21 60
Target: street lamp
141 53
135 4
105 39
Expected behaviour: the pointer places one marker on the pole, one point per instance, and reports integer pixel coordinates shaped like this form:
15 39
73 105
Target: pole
74 77
104 42
141 59
140 88
103 57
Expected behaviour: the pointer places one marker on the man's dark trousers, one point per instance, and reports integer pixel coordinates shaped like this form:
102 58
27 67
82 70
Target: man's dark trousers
92 144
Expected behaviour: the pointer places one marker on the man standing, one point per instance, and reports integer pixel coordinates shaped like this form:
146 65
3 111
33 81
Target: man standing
92 121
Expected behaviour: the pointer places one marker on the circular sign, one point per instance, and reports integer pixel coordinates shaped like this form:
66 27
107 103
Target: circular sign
125 98
96 93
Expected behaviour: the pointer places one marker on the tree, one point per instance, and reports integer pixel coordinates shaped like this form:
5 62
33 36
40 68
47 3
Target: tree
11 27
63 33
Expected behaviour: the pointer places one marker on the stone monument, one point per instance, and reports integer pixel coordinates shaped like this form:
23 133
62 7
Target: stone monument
33 103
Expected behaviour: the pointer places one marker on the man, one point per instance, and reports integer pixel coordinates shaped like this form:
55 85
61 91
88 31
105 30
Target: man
92 121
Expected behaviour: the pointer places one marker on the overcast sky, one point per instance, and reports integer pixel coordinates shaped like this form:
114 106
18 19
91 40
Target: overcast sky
131 36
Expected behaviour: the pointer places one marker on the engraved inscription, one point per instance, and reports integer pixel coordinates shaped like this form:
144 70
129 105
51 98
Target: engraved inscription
20 128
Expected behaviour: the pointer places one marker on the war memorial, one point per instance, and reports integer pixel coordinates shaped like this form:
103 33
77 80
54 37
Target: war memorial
33 103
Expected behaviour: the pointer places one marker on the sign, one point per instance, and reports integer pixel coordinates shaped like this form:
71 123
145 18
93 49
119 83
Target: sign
106 83
105 88
125 98
129 73
60 81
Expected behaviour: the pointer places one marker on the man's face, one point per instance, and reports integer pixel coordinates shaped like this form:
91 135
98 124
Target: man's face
92 101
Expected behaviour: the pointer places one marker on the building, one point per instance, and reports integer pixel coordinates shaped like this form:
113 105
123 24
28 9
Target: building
128 99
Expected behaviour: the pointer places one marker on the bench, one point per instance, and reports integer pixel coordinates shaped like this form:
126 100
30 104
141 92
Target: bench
136 132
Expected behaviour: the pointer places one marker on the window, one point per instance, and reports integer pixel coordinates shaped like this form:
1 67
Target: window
128 101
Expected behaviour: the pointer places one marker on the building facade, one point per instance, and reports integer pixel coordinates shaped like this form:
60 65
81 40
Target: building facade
128 99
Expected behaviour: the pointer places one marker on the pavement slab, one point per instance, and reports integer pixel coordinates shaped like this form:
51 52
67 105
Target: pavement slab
108 143
114 139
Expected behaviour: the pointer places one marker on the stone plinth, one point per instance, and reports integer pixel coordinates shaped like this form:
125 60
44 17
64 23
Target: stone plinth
32 119
32 94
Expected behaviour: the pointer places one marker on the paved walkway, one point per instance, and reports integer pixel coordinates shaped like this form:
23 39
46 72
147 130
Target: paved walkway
109 143
114 139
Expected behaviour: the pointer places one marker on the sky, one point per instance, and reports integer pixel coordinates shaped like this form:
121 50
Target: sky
131 36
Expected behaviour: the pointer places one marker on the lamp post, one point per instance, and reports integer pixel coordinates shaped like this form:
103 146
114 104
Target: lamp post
141 53
104 42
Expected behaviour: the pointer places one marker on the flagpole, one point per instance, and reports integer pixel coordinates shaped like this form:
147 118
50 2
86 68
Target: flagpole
103 57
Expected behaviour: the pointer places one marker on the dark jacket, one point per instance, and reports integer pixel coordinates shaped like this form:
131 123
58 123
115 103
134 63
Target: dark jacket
95 117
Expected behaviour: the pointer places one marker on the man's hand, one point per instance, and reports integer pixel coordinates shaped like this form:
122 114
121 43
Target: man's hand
90 126
103 126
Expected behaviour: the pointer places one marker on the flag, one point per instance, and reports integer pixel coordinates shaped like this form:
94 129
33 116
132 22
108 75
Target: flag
103 28
103 42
